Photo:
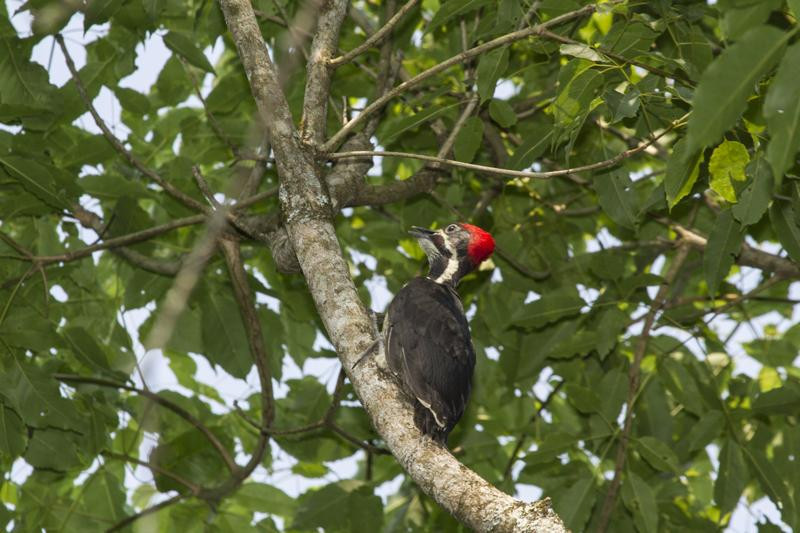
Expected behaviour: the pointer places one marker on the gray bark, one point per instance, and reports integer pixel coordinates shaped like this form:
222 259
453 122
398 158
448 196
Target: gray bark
308 212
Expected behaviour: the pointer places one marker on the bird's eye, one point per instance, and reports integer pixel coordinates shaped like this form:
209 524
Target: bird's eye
451 228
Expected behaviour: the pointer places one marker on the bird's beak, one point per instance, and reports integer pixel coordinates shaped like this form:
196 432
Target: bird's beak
421 233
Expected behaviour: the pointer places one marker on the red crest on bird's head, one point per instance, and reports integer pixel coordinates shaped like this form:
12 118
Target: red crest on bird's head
481 243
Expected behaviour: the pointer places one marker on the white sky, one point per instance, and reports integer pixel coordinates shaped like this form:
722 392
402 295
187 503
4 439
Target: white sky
151 57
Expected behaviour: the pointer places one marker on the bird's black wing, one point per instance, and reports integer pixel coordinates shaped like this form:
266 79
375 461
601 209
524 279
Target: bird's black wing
428 346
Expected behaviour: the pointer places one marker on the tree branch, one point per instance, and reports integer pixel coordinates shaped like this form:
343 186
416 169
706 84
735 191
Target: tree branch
339 137
618 58
115 242
255 338
512 173
122 524
116 143
307 211
749 256
163 402
374 39
633 384
318 71
193 488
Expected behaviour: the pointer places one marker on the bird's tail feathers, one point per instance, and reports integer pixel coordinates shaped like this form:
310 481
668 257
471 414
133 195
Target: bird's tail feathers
426 422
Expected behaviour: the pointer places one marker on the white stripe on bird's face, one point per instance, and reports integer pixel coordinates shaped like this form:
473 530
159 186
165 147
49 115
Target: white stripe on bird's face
452 263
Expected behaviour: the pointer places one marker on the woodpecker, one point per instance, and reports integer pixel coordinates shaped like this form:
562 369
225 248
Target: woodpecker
426 336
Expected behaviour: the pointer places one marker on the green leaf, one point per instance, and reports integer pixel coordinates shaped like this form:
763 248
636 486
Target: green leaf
609 328
580 344
502 113
34 178
468 139
13 434
683 168
782 111
51 449
345 506
755 199
133 101
86 348
530 149
723 244
99 11
615 193
613 390
490 68
583 398
35 396
782 216
705 430
741 16
732 476
727 164
453 8
576 503
641 500
548 308
185 46
103 498
264 498
582 51
392 129
190 456
153 8
722 93
659 455
783 400
224 337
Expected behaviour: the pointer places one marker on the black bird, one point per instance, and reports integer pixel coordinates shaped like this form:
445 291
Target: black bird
426 335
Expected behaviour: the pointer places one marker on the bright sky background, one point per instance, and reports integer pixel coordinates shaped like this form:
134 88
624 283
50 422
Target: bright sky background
151 57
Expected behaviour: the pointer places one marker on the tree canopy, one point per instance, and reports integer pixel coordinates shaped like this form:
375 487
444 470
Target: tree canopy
636 330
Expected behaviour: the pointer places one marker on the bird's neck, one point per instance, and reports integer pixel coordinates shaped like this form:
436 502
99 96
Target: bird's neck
448 270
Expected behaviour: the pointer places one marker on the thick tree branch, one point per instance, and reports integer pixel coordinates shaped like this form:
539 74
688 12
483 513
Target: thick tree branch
307 211
749 256
339 137
318 71
376 38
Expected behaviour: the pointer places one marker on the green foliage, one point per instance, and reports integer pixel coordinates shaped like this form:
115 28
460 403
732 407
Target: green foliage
715 411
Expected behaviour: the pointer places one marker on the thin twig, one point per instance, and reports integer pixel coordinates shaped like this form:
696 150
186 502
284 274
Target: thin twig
255 339
202 184
633 383
524 435
621 59
163 402
116 143
115 242
376 38
194 488
506 172
175 301
503 40
150 510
